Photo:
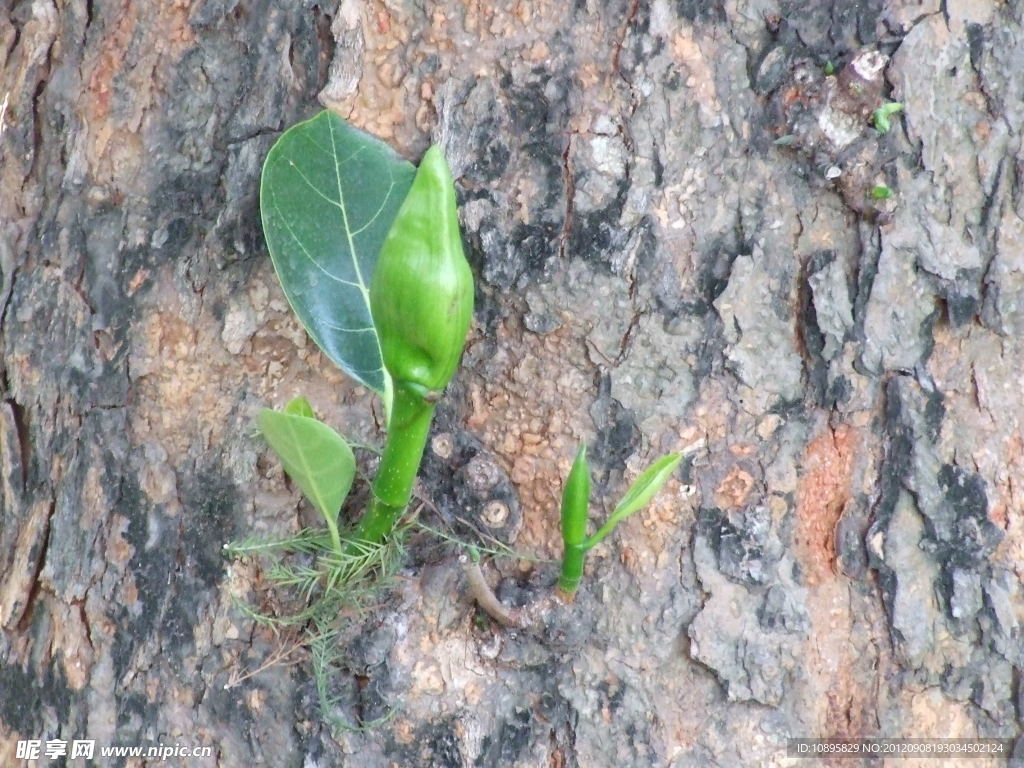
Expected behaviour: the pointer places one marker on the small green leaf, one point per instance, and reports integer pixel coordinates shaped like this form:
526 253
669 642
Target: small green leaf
328 195
299 406
638 495
880 117
316 458
830 67
880 192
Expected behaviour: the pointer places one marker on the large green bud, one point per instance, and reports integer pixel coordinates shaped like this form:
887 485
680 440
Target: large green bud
421 295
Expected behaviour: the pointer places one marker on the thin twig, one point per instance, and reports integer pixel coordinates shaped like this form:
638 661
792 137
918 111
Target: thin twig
485 597
279 655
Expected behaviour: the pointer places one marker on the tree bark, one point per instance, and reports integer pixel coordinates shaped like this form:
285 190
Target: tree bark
684 231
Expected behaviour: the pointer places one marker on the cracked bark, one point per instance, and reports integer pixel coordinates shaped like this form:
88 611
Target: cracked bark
663 255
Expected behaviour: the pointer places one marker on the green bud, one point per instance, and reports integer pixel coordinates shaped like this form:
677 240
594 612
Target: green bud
421 295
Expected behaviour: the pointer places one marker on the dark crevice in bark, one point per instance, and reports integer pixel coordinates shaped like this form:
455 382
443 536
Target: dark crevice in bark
569 186
35 584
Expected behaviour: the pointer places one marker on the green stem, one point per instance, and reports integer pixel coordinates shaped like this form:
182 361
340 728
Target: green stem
572 568
408 429
332 527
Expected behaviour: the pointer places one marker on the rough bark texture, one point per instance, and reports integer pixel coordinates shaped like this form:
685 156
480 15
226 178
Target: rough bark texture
667 206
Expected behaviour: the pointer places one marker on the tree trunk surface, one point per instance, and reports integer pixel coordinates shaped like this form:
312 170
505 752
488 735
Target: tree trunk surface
685 233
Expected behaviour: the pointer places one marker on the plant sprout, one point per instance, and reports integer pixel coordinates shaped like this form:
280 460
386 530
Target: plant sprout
369 255
575 511
880 117
880 192
370 258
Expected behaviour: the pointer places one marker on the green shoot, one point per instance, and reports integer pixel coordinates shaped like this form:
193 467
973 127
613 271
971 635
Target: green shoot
575 500
880 117
880 192
575 510
369 255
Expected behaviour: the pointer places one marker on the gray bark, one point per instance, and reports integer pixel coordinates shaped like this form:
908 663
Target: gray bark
668 208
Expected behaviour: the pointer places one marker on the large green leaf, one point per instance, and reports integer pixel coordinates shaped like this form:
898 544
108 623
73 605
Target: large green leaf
316 458
328 195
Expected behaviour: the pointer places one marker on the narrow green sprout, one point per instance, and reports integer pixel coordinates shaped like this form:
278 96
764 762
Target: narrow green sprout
880 192
575 500
830 67
880 117
575 507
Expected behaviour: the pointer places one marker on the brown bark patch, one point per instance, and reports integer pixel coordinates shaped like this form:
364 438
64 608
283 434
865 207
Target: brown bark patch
125 79
108 63
71 638
20 578
530 409
735 488
822 492
1009 499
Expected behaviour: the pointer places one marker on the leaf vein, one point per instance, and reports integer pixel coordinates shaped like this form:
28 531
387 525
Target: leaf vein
302 247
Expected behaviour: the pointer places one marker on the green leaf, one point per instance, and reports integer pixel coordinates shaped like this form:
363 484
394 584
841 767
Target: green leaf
299 406
328 196
639 494
880 192
316 458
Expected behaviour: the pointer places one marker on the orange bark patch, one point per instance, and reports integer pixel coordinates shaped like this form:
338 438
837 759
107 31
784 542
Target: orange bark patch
822 492
734 489
108 63
125 79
